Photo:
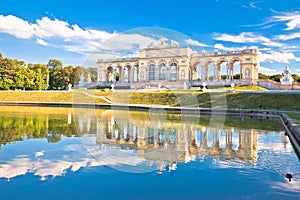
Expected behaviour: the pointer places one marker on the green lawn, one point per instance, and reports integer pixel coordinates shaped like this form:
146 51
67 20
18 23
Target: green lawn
233 100
295 116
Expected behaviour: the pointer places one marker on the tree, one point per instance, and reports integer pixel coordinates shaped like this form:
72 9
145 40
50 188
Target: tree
56 75
93 71
263 76
76 75
296 77
236 76
53 63
7 73
6 83
69 75
276 77
57 79
41 76
24 78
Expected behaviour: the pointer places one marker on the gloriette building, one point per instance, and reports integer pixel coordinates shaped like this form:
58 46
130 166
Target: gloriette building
172 66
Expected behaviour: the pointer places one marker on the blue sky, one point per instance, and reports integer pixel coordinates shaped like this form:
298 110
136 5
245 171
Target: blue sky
39 30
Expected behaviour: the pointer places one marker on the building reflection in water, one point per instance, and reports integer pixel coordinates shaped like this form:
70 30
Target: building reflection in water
163 144
135 142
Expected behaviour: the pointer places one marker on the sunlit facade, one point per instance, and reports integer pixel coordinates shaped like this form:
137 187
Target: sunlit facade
169 63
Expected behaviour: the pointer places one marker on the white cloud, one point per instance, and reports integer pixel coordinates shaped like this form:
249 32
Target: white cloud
127 42
16 26
266 70
73 38
195 43
41 42
265 49
247 37
46 28
66 36
288 37
298 70
58 165
274 56
292 19
222 47
253 5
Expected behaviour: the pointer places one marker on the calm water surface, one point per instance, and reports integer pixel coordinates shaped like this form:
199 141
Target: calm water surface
60 153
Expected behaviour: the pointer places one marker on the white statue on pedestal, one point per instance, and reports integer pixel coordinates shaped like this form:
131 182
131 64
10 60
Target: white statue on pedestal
81 81
287 78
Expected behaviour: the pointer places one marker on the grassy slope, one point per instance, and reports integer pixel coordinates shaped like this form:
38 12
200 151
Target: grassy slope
234 100
295 116
289 102
45 96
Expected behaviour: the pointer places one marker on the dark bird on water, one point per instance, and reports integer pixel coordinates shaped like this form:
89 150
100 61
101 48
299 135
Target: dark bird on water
289 176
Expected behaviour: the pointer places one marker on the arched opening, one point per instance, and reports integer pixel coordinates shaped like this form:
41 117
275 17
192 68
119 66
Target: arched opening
173 71
211 71
208 71
109 74
247 73
195 71
127 74
118 73
221 69
198 70
162 71
151 72
235 69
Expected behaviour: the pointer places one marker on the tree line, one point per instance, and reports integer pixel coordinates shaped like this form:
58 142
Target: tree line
277 77
19 128
17 75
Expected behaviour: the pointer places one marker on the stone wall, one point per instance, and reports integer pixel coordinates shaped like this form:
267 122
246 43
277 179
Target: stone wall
272 85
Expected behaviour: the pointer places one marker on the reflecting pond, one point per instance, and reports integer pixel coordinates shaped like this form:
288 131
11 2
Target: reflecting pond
65 153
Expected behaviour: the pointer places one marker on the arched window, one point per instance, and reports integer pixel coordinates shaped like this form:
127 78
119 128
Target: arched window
109 74
162 71
247 73
151 72
173 71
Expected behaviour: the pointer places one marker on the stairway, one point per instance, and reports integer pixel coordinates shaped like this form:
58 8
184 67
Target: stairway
179 85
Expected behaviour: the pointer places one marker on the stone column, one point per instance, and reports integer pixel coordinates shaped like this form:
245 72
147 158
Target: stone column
215 72
219 73
131 75
241 71
156 73
203 73
146 75
228 67
168 73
